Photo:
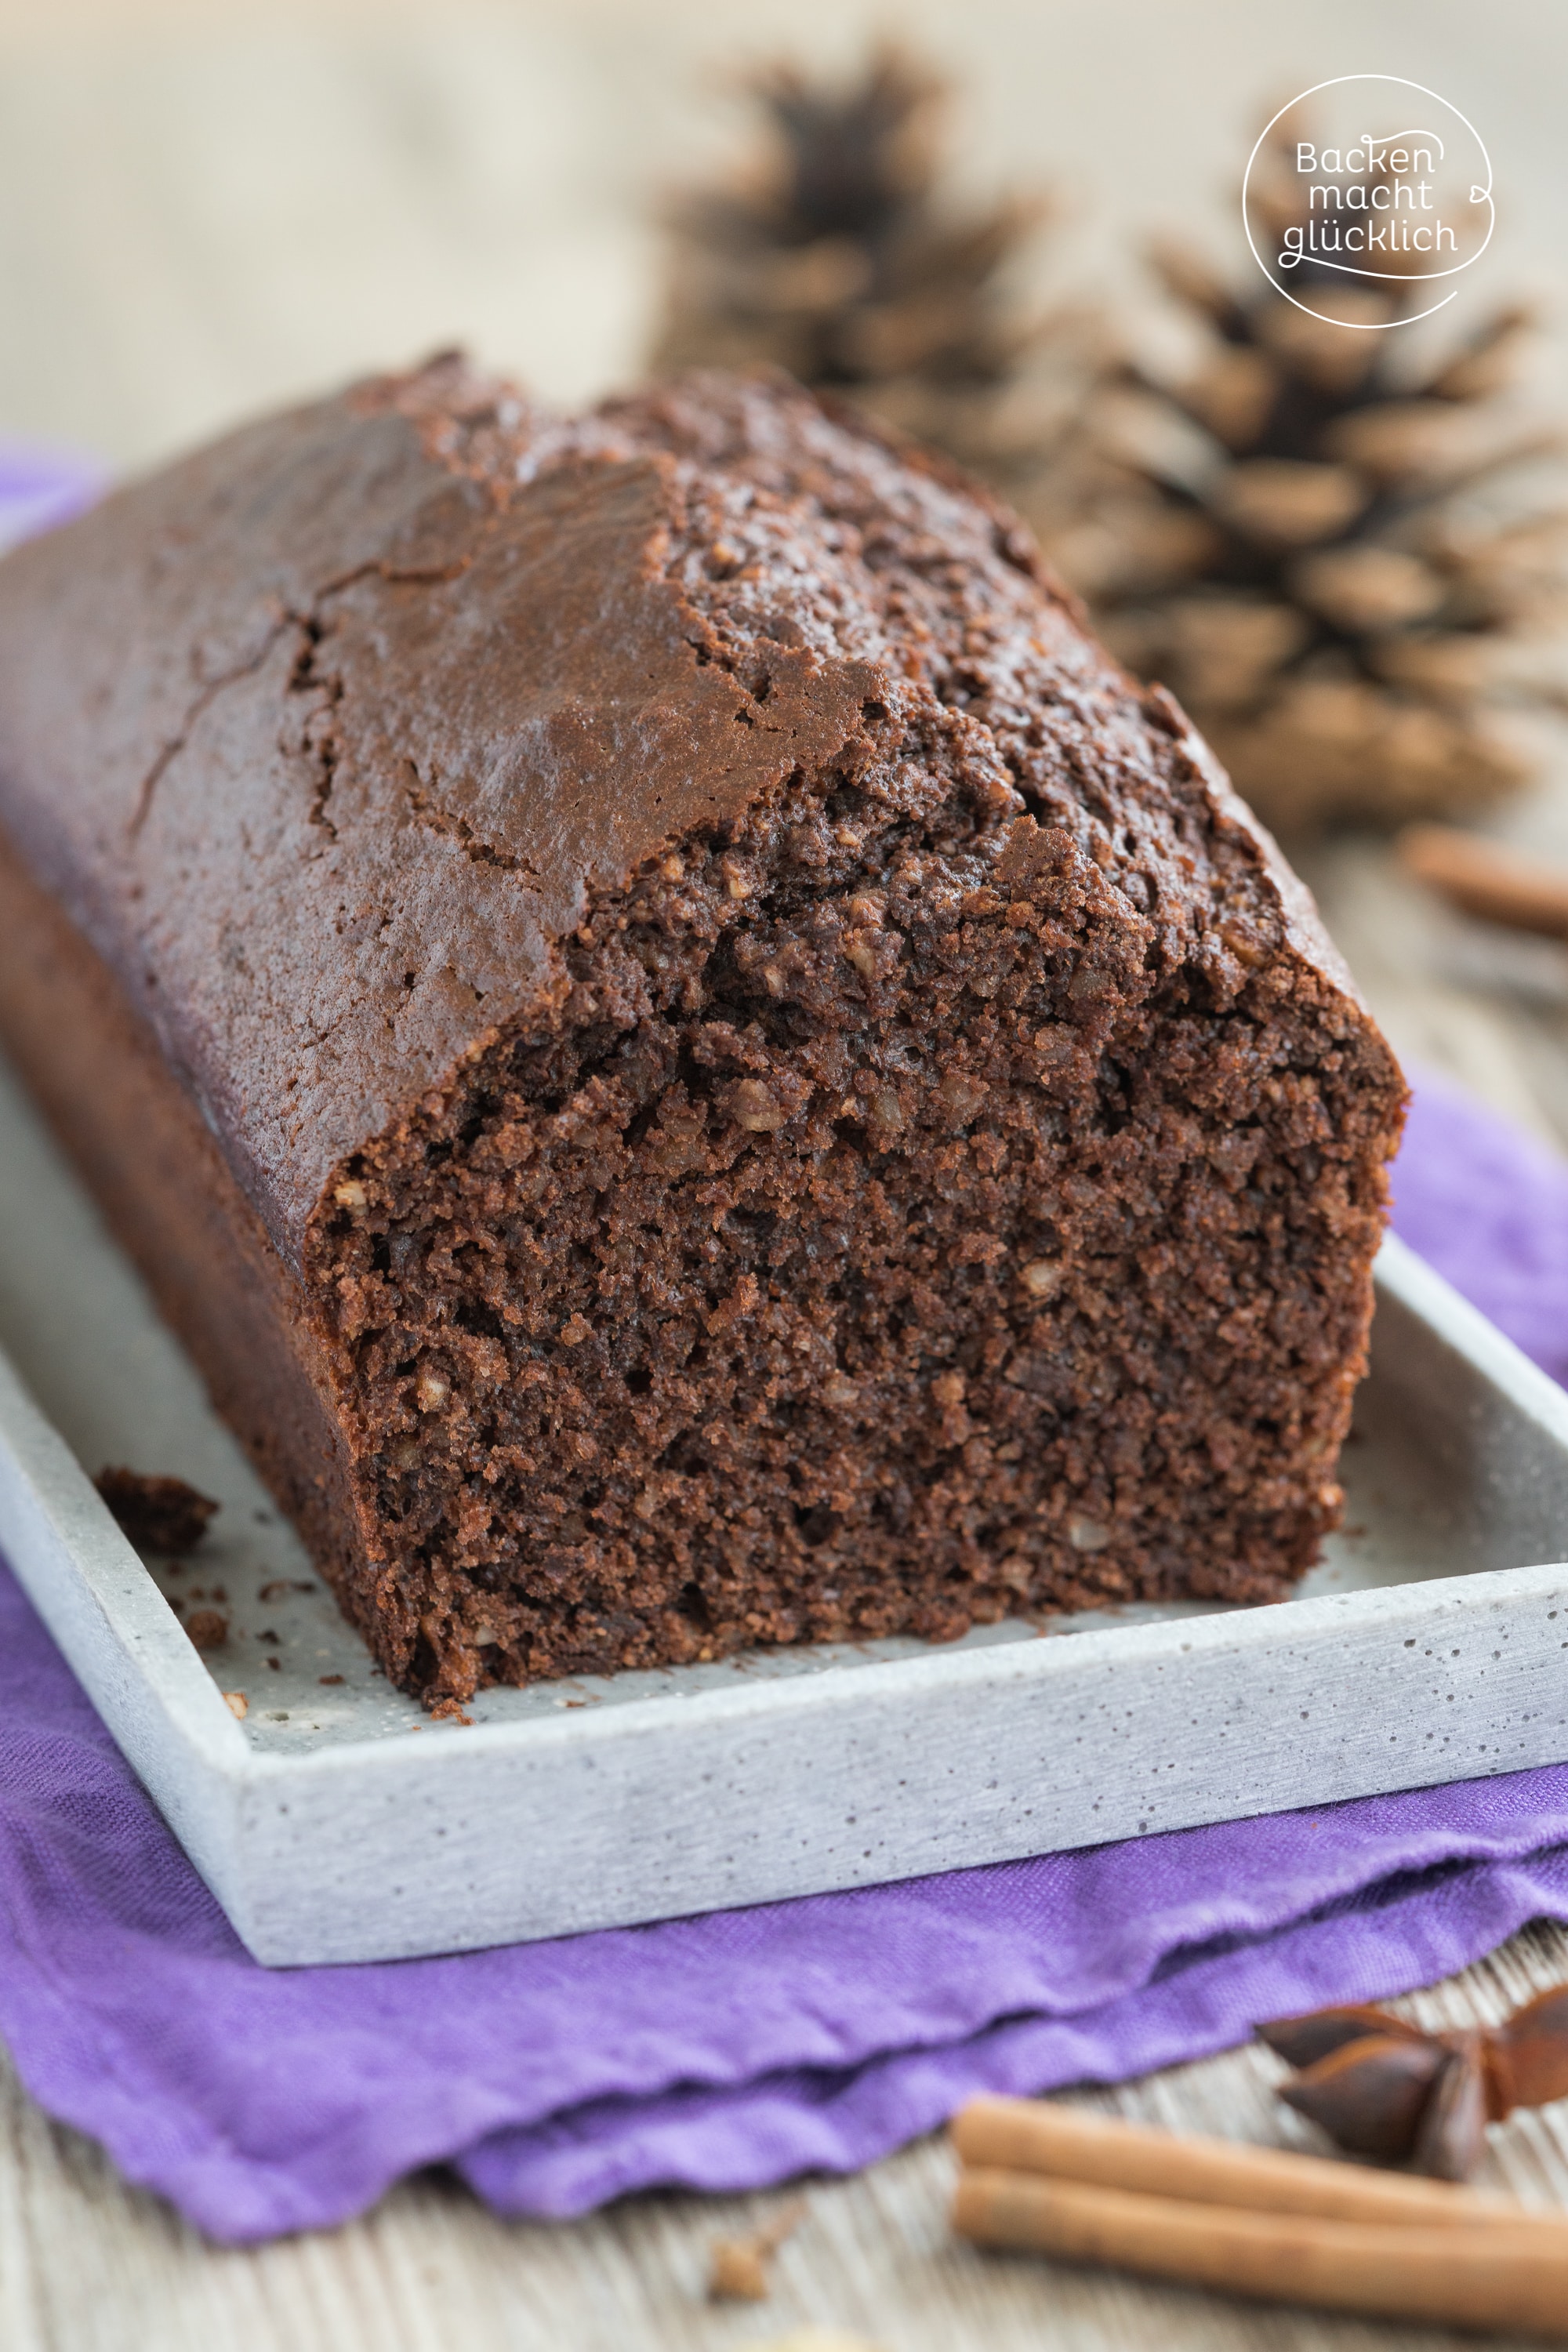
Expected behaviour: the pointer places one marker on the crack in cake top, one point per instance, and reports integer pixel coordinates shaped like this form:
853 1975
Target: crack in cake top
329 736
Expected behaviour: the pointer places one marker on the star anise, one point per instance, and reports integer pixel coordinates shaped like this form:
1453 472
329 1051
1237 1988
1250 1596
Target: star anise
1383 2088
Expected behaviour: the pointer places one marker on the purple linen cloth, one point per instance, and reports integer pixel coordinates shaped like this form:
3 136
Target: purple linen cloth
732 2051
1488 1206
723 2052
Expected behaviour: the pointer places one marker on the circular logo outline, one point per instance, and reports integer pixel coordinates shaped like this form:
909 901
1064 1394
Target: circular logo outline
1483 195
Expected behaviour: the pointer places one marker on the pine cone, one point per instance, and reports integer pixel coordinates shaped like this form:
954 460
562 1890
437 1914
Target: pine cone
1279 537
835 258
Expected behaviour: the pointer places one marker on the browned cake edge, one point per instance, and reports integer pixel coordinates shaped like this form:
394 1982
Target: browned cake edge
136 1137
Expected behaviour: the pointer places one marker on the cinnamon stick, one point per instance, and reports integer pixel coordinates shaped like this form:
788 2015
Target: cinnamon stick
1035 2136
1503 2277
1483 877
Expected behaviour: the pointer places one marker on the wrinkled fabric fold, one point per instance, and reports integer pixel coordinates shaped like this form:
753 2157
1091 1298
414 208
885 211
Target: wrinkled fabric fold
735 2050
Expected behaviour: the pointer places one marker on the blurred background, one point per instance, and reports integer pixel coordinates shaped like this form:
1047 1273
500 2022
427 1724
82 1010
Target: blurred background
211 206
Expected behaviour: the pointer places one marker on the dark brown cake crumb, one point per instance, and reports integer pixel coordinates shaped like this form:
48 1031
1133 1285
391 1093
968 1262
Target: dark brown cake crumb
161 1515
207 1628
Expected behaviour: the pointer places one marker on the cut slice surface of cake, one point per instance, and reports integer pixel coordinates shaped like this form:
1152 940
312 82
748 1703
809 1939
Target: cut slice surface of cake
695 1063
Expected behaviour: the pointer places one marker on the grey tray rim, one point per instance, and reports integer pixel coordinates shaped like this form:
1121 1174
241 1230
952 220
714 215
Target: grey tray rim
878 1770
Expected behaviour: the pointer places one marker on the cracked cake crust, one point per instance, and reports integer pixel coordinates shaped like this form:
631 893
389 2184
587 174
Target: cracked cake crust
749 1085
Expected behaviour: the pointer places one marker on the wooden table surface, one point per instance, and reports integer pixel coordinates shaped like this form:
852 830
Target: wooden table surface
90 2265
206 207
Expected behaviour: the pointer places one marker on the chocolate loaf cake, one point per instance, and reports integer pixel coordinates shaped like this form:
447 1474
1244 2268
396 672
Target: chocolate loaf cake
695 1063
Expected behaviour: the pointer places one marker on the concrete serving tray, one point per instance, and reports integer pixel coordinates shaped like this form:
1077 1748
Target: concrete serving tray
337 1823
